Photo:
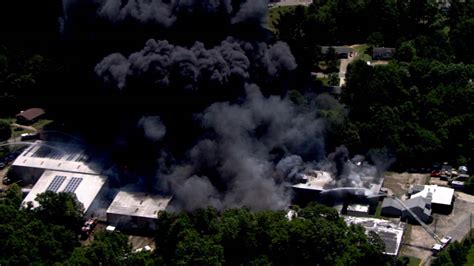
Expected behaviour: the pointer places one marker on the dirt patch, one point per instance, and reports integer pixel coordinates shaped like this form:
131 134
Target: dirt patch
399 183
418 242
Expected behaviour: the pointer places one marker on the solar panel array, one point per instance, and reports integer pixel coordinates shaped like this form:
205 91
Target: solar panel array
73 184
56 183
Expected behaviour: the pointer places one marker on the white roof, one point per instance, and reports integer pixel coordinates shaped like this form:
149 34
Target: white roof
84 186
138 204
440 195
58 157
391 233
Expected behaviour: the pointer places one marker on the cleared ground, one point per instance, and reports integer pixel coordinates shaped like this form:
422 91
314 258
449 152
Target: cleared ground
417 242
399 183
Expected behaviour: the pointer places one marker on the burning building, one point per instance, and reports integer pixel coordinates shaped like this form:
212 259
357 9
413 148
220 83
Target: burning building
136 210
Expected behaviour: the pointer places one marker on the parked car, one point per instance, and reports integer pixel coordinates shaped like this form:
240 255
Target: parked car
2 166
435 173
29 136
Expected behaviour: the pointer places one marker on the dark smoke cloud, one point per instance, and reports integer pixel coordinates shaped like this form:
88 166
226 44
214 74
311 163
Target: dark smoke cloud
239 148
166 13
161 64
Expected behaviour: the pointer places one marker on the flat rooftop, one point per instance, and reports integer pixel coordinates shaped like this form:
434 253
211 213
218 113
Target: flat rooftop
84 186
55 156
138 204
440 195
391 233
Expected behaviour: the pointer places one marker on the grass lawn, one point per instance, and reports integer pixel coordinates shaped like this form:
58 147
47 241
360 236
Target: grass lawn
378 211
38 125
470 257
361 51
414 261
274 15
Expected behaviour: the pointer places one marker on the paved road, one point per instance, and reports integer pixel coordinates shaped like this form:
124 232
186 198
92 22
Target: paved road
291 3
462 228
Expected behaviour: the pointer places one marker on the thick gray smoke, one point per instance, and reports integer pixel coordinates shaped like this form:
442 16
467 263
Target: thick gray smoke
161 64
168 12
242 139
353 172
153 128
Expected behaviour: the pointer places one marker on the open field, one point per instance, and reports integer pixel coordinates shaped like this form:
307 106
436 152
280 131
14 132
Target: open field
275 13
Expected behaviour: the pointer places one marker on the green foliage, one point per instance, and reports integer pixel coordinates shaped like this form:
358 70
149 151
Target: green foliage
406 52
422 111
241 237
27 240
60 208
333 79
108 249
5 130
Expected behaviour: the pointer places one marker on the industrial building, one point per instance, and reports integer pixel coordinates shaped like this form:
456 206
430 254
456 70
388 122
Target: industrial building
87 188
391 233
41 156
442 198
421 207
61 167
309 186
391 208
136 210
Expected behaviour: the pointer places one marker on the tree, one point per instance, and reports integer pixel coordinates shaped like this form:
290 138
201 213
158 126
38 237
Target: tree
334 79
60 208
462 40
5 130
375 39
108 249
405 53
242 237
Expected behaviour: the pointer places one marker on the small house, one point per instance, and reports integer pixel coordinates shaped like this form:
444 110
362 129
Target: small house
382 53
29 116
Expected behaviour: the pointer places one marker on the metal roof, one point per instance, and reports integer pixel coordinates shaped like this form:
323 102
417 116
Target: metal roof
391 233
85 190
138 204
389 202
56 157
439 195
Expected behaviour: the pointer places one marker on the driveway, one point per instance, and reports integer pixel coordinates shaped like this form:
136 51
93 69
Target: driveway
343 68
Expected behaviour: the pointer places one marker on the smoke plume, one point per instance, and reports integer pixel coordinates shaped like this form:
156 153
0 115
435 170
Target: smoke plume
161 65
241 153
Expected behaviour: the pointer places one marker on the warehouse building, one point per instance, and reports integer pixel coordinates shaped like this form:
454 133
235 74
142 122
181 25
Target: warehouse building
391 233
136 210
441 198
41 156
87 188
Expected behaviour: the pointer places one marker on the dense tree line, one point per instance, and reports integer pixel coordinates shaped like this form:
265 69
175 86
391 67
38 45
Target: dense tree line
48 235
241 237
422 111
